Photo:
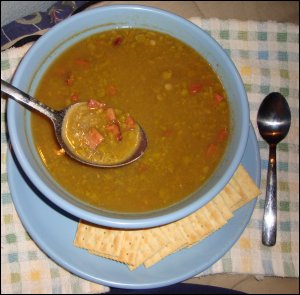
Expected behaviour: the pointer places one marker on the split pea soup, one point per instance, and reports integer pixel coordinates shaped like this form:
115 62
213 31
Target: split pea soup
168 87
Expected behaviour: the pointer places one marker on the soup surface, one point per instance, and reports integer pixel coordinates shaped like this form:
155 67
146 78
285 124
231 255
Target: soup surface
168 88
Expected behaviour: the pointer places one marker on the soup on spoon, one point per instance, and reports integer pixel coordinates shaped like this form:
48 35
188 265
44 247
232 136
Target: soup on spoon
90 132
100 134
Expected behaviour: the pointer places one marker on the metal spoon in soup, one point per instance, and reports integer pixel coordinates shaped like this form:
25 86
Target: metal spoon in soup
90 132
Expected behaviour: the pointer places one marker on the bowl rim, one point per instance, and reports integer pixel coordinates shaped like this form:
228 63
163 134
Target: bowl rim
128 220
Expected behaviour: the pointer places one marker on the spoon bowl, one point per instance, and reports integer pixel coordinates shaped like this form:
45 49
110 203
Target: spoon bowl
58 118
273 121
274 118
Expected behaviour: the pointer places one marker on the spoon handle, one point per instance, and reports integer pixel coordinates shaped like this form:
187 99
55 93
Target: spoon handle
270 214
26 99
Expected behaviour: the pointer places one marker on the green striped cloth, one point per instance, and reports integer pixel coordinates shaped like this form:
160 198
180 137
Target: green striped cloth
267 57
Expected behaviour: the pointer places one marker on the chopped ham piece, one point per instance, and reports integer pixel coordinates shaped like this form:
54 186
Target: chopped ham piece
195 88
82 62
69 80
218 97
111 115
168 132
114 128
94 104
142 167
93 138
117 41
111 90
211 150
130 123
223 134
74 97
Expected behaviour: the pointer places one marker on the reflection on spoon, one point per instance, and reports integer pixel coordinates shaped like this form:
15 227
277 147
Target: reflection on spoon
90 132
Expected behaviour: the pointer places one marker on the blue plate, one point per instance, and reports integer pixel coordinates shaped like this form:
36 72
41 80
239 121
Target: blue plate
54 230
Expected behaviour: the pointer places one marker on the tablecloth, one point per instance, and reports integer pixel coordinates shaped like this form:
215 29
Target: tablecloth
267 57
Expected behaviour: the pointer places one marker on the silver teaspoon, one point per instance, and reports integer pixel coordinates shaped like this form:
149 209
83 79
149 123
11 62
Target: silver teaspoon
273 121
58 118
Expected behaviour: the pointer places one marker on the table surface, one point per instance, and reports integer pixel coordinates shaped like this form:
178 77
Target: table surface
267 57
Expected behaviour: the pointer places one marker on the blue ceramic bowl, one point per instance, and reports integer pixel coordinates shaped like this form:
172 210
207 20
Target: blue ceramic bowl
77 27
